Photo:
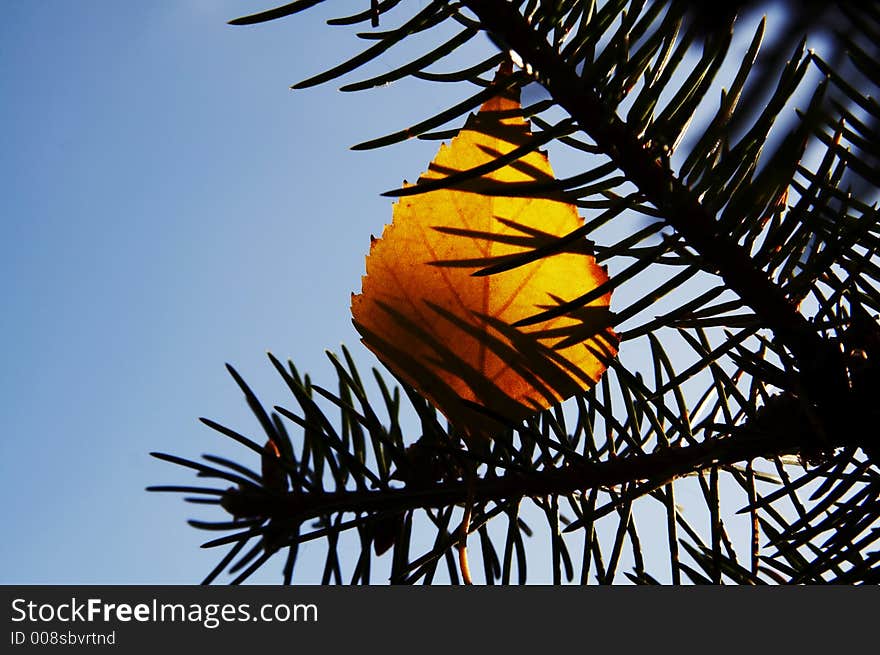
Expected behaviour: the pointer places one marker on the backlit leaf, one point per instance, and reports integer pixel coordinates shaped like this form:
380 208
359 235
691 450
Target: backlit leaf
449 333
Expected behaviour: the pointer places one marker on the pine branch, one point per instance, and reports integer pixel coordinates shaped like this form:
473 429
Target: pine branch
761 438
644 166
629 441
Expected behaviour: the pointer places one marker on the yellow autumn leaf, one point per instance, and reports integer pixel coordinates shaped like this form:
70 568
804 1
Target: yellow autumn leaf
450 334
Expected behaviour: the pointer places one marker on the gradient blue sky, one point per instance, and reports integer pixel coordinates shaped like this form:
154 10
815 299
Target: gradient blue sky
169 205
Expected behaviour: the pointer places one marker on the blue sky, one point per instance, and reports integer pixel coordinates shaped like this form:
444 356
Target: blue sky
169 205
